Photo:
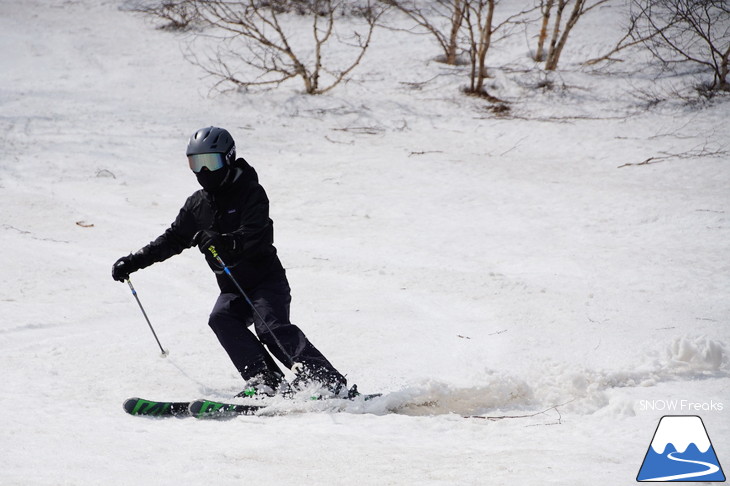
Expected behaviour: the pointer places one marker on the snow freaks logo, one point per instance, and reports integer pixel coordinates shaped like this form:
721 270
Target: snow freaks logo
681 451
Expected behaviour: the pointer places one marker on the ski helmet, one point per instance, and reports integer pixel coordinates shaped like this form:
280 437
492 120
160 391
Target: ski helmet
211 152
212 140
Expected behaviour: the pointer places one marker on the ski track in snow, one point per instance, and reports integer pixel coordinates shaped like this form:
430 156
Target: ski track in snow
462 263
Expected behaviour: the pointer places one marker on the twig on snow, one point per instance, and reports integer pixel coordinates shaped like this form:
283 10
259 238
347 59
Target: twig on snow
703 152
424 152
351 142
497 332
493 418
361 130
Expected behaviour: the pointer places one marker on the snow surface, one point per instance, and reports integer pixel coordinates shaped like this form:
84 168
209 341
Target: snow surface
460 262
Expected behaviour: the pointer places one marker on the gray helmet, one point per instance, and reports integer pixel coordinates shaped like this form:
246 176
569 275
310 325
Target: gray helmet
212 140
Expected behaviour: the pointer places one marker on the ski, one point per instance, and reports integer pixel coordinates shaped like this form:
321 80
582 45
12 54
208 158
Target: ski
360 396
367 396
210 408
152 408
202 409
196 408
205 409
352 394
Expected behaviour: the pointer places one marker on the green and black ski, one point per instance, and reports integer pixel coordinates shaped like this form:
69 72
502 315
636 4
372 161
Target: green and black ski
204 408
152 408
197 408
210 409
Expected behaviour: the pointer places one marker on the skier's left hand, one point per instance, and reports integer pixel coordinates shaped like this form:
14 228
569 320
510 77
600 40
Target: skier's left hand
207 238
123 267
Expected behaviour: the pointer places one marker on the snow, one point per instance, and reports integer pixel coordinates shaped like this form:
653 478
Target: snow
460 262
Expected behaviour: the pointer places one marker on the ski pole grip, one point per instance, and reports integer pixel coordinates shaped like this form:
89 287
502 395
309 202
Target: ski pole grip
213 252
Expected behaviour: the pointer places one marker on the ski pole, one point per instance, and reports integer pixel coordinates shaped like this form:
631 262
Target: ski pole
134 292
211 248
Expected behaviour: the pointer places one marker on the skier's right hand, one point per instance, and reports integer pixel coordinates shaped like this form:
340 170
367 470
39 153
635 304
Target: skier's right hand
123 267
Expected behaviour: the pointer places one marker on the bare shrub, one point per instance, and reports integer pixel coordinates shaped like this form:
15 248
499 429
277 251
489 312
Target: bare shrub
555 11
482 31
175 14
263 35
441 18
679 32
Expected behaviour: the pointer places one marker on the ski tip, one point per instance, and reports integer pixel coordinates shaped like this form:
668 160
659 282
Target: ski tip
129 404
354 394
153 408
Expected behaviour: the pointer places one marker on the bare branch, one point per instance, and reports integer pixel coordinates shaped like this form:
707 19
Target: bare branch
686 31
431 15
691 154
560 37
494 418
261 35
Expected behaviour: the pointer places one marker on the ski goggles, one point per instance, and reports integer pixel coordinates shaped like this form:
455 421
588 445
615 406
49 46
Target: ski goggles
212 162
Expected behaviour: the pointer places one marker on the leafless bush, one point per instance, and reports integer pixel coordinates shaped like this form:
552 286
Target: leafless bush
355 8
266 36
482 31
555 10
470 27
479 22
176 14
679 32
441 18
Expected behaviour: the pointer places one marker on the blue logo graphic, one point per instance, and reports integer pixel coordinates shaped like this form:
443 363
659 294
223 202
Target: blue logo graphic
681 451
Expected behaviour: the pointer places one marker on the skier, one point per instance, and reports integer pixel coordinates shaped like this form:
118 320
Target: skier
231 213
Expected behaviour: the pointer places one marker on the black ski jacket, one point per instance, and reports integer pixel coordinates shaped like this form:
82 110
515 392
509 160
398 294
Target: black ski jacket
239 208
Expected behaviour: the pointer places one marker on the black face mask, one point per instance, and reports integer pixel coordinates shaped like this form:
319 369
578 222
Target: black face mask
212 180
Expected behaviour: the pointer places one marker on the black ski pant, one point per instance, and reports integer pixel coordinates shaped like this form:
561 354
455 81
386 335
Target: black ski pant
232 315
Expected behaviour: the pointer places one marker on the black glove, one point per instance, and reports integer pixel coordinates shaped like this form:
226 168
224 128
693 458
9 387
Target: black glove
123 267
223 243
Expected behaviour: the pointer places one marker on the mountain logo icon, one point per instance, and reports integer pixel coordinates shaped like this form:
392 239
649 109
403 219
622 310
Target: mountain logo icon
681 451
